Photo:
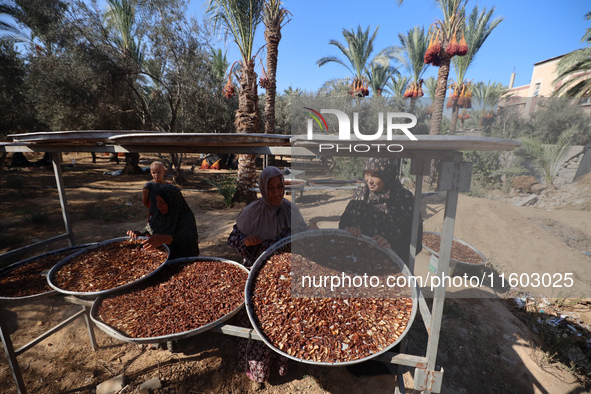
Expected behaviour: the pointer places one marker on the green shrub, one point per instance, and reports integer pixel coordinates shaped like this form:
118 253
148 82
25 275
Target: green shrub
226 188
348 168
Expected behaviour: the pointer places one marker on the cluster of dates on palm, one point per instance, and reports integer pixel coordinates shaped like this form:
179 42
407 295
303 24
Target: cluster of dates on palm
414 90
229 90
461 96
435 50
358 88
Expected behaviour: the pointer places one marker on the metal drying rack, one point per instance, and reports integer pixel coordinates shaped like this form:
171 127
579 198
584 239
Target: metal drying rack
454 177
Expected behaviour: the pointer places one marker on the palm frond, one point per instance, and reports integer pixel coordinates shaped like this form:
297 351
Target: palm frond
378 76
358 50
11 32
275 16
411 53
548 158
240 19
477 29
574 74
398 85
431 86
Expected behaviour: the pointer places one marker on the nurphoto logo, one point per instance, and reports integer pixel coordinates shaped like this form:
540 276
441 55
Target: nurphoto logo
393 125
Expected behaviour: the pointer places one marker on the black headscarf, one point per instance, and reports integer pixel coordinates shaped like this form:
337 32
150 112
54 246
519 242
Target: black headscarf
179 222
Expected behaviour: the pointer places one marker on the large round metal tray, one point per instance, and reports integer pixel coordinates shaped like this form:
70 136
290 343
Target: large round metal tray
55 269
459 267
164 338
261 261
8 269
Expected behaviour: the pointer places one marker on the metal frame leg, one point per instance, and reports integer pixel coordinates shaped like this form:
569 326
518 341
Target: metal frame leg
89 327
10 354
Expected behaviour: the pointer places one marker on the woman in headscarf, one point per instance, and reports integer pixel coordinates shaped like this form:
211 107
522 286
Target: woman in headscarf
266 220
173 224
262 223
382 208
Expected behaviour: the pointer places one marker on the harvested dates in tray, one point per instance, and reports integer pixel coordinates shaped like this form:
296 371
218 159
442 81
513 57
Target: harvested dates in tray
106 267
460 250
27 278
186 297
321 329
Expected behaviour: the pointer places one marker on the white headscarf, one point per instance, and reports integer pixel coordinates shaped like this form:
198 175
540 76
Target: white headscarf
265 220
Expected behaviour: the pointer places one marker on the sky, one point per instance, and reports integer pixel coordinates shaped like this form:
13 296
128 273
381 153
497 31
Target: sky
531 31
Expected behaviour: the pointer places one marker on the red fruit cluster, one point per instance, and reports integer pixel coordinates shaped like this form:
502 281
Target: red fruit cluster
432 54
358 89
414 90
229 90
455 48
264 82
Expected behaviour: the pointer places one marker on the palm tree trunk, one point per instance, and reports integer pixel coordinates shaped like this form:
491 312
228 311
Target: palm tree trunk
437 114
455 109
247 121
412 105
272 37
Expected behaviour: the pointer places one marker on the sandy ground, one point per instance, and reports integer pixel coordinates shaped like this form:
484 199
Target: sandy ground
484 347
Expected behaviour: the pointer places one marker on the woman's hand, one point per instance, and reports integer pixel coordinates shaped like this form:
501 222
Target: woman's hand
157 240
382 242
252 240
354 231
133 234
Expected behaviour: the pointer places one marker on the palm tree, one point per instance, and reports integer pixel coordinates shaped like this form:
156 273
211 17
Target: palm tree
239 19
548 158
411 55
357 52
431 86
275 17
398 85
219 63
121 20
443 33
486 98
477 29
36 22
378 77
573 70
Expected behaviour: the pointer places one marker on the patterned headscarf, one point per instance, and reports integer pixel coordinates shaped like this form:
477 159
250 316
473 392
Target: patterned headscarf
387 213
387 170
265 220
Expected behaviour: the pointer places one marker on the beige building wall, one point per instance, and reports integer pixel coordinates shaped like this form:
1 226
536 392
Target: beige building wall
542 79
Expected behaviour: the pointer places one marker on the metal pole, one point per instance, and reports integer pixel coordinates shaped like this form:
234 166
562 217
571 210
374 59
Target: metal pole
10 354
56 159
451 202
88 323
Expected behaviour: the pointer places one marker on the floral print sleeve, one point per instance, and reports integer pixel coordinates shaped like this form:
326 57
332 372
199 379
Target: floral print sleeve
251 253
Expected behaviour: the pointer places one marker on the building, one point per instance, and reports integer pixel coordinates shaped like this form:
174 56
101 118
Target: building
541 84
